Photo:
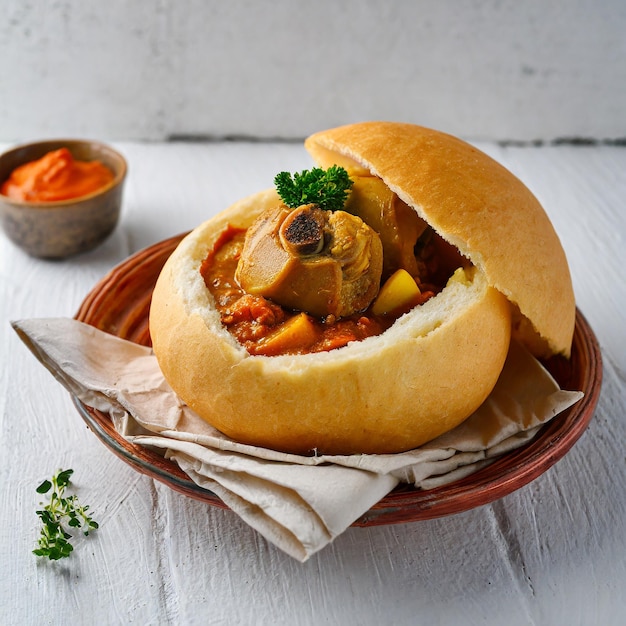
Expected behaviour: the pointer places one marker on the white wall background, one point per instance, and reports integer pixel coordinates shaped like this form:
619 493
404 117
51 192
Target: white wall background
482 69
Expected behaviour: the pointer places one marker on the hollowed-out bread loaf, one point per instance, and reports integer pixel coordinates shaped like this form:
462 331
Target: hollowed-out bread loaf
434 366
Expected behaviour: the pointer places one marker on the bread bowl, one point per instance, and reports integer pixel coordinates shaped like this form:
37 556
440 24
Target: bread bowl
434 365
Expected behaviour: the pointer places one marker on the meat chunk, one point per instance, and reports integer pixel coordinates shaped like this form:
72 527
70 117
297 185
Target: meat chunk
308 259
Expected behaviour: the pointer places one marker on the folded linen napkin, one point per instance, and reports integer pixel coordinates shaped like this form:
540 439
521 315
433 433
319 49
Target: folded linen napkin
300 503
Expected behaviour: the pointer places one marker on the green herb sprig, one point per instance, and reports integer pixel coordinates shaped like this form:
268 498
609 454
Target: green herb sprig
326 188
57 515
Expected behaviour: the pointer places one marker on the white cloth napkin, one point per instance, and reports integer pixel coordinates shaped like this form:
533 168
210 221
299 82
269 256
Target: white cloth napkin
299 503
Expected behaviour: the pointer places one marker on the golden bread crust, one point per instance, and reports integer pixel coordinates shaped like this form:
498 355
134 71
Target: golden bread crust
477 205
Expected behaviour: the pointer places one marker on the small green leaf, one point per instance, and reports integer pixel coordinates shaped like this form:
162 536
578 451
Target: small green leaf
44 487
46 516
63 478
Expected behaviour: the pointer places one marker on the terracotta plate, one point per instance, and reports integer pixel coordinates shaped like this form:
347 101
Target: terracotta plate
120 302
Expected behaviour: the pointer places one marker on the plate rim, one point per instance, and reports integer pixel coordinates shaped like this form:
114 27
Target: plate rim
514 469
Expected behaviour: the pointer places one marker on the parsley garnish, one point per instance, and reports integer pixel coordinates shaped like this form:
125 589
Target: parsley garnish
59 513
326 188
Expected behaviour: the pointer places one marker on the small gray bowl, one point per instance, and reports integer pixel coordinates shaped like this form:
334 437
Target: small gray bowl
60 229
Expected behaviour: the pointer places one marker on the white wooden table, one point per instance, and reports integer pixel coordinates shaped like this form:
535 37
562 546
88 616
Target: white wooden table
553 552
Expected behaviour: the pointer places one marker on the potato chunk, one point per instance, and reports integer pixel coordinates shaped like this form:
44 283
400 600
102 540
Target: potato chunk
399 291
296 334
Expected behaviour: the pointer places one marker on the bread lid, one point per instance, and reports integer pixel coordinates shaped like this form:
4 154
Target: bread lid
478 206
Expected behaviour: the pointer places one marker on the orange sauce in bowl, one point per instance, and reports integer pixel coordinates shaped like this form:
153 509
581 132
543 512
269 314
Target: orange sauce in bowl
56 176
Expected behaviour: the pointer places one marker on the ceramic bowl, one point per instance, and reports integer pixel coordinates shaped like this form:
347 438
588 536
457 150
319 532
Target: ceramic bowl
63 228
